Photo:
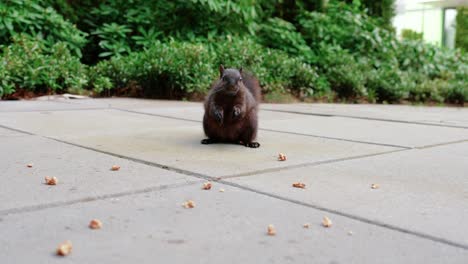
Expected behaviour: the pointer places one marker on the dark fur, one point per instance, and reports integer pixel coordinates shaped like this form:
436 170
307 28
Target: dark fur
231 109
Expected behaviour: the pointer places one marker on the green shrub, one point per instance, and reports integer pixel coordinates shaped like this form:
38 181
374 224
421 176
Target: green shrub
428 90
388 84
461 38
122 26
427 59
180 67
28 65
274 68
166 69
348 27
457 90
280 34
408 34
36 19
340 69
173 48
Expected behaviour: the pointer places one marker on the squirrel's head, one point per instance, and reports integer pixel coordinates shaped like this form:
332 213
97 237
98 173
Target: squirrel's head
230 79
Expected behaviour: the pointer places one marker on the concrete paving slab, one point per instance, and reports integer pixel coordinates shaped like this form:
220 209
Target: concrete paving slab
380 132
421 190
82 174
227 227
52 105
372 131
176 143
444 116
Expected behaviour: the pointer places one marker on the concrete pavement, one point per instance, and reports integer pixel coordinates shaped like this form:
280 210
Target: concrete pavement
418 156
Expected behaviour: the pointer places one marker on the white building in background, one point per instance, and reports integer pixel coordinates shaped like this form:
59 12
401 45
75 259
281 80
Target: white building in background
434 18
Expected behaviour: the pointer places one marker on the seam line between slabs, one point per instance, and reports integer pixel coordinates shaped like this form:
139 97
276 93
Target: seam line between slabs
38 207
367 118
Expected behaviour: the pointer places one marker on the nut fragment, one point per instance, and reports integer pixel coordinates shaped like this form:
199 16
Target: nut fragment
299 185
115 168
189 204
306 225
271 231
64 249
326 222
30 165
51 180
207 186
281 157
350 233
375 186
95 224
221 190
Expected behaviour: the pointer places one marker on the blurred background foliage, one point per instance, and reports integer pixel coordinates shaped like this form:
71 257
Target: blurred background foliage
305 49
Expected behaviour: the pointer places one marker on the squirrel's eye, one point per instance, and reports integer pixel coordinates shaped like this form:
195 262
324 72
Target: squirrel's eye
240 79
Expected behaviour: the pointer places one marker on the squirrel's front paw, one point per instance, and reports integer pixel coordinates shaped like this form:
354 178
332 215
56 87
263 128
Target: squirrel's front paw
218 116
236 112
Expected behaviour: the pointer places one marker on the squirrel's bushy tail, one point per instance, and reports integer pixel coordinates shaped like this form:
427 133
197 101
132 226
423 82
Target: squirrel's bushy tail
253 85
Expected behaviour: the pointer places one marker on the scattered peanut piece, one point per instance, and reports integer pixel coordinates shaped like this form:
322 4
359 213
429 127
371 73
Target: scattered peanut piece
326 222
271 231
30 165
95 224
375 186
207 186
299 185
221 190
65 248
281 157
306 225
115 168
189 204
51 180
350 233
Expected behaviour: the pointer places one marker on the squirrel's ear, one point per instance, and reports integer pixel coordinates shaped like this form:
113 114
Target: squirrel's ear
240 70
221 70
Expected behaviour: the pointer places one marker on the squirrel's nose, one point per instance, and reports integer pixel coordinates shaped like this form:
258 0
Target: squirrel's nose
231 82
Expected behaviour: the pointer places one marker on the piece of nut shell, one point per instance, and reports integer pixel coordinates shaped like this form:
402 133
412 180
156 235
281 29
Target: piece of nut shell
64 248
95 224
189 204
51 180
271 231
326 222
281 157
299 185
207 186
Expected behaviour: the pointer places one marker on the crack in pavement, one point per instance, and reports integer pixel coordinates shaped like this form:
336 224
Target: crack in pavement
308 164
32 208
443 144
56 110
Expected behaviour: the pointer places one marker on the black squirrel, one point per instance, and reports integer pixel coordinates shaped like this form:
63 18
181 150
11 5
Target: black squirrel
231 109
